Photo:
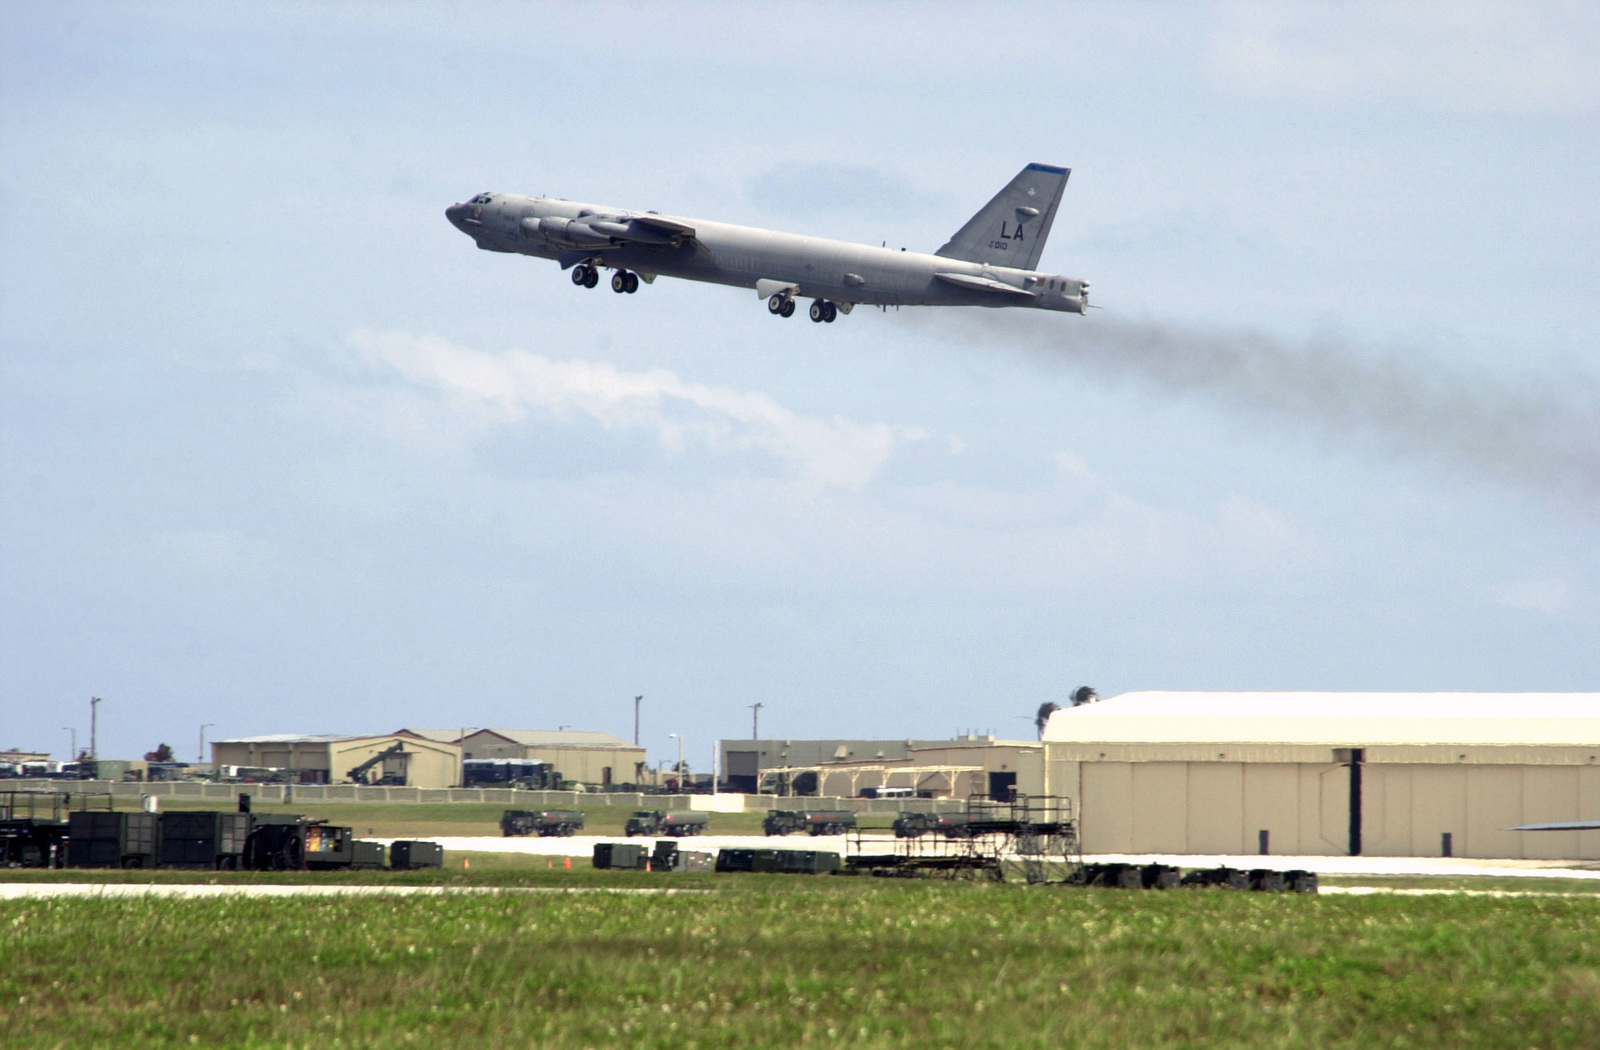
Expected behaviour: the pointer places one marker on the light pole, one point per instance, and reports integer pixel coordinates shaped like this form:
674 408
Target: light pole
636 719
94 725
203 728
679 739
755 720
74 733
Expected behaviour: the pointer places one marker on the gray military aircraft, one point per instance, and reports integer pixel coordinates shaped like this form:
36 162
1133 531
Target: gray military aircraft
989 262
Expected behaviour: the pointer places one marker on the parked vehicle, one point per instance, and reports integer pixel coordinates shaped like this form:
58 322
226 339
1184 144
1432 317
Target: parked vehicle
655 822
541 822
814 822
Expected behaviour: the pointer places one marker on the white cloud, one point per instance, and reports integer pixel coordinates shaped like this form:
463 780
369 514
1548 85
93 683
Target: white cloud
1494 57
497 389
1550 595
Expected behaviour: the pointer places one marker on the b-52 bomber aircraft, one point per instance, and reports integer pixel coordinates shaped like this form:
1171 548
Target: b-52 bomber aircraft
989 262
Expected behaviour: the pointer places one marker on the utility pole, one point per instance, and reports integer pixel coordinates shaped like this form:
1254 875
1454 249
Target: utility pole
203 728
94 711
755 720
636 719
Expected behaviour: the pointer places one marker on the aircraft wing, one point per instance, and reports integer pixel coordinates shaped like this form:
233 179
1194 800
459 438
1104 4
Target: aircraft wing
1564 825
984 284
646 229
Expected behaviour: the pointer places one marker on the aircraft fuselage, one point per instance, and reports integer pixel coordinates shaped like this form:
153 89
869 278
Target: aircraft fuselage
779 266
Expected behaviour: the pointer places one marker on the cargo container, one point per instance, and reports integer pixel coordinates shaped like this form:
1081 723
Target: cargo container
366 856
807 862
411 855
760 860
203 838
620 856
112 840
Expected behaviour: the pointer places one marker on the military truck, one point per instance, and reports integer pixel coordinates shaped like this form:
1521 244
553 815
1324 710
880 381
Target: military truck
655 822
542 822
910 825
814 822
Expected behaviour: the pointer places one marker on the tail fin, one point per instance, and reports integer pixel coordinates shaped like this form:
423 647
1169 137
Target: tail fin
1011 229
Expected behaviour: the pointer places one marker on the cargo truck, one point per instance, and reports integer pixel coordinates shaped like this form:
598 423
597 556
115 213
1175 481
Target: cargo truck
648 822
542 822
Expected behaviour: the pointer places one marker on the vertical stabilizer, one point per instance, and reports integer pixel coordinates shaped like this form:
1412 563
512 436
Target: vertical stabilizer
1011 229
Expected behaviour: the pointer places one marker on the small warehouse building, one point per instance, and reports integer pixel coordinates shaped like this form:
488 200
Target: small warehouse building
593 758
394 758
1380 774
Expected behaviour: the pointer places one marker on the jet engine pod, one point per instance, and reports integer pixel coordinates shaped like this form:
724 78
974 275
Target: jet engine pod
570 231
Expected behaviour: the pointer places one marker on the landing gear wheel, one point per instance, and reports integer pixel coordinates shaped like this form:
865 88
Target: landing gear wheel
633 283
818 311
775 304
591 277
788 309
829 312
580 273
619 281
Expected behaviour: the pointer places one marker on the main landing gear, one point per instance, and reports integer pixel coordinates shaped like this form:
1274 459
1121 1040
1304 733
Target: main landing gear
782 305
624 281
585 275
823 311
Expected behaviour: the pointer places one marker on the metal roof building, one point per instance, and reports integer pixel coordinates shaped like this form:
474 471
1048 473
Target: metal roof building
1387 774
588 757
328 758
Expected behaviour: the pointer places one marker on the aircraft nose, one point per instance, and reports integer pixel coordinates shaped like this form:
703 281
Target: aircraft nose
456 213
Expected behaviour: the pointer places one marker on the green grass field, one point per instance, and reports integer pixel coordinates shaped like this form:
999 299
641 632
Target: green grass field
786 961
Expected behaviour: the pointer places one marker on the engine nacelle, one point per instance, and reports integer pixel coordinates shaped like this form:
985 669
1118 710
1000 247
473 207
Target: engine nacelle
568 231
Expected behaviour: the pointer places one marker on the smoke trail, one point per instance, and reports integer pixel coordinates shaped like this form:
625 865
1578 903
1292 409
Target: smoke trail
1543 433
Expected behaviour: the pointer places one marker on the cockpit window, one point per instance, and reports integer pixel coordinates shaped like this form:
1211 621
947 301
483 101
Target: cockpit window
482 198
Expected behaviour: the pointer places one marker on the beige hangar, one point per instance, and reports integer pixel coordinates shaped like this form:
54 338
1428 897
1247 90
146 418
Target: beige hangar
1380 774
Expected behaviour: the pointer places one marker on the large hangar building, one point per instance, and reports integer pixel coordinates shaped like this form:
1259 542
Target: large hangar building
1381 774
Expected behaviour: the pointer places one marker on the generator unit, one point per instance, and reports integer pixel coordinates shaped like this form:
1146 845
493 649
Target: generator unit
667 856
290 842
112 840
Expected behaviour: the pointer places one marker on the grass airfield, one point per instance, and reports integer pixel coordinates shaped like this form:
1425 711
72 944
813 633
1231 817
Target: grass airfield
789 960
501 957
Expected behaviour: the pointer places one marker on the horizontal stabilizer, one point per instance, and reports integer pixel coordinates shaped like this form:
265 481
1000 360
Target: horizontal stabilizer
1011 229
984 284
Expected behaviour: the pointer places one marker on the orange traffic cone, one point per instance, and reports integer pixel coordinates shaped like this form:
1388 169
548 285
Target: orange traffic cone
466 862
568 863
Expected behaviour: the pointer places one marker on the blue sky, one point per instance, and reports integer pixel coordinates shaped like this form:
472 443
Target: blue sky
280 451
